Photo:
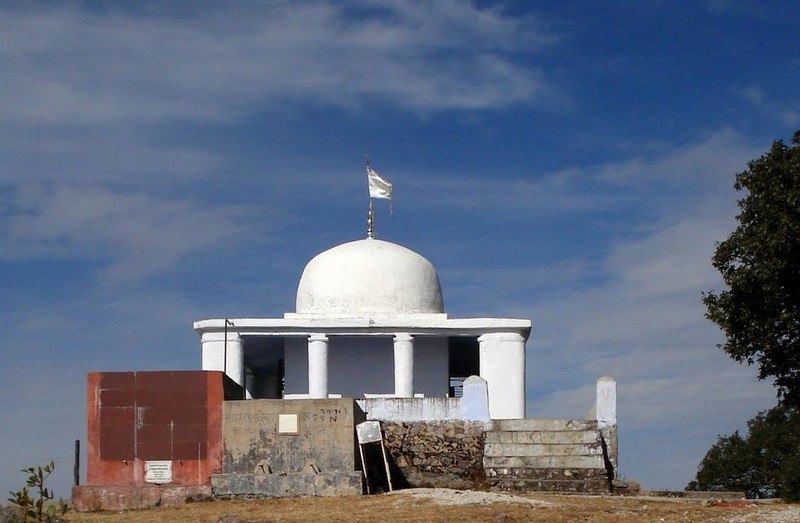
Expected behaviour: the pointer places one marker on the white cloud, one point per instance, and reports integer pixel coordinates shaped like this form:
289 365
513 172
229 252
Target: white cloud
638 317
782 112
709 162
71 67
136 233
89 94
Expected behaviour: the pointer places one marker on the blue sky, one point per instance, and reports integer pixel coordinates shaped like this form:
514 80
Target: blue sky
167 162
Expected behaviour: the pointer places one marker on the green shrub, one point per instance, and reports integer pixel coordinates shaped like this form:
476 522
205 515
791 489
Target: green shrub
33 503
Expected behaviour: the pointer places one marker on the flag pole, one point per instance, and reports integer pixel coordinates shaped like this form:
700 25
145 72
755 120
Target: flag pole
370 216
370 222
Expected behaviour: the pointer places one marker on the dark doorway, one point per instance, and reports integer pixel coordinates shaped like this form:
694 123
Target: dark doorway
463 361
264 364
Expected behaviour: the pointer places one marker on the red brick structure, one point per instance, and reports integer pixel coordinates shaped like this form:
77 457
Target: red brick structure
140 417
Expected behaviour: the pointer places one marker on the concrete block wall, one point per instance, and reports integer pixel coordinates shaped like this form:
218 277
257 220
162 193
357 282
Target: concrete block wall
262 458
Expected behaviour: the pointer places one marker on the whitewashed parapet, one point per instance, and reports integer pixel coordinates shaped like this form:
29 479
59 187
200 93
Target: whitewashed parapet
411 409
472 406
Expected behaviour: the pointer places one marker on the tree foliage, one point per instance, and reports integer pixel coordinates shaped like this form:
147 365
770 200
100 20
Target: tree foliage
37 504
765 463
760 264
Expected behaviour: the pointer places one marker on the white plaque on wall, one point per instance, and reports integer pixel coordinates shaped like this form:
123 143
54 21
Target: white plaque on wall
287 423
158 471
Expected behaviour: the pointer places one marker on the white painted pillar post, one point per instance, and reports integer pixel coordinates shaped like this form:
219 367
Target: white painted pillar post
318 366
606 402
605 408
403 366
227 357
502 365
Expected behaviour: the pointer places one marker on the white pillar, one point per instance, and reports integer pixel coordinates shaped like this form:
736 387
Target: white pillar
605 406
227 357
318 366
403 366
502 365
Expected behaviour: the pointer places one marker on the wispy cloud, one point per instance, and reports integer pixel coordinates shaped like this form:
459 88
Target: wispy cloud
144 66
784 113
136 234
87 94
635 311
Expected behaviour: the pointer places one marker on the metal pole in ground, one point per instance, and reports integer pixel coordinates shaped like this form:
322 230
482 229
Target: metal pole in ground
76 468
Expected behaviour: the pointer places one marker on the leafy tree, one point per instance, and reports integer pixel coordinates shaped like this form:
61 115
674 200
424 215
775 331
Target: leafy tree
760 264
765 463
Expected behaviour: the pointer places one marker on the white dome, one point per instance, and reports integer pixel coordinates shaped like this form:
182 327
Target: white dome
369 277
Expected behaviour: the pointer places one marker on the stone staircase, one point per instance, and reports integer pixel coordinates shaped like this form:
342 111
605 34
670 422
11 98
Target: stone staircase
547 456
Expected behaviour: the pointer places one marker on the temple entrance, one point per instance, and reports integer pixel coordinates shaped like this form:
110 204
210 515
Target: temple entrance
265 372
463 359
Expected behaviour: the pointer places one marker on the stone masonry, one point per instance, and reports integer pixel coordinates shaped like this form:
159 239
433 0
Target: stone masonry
437 454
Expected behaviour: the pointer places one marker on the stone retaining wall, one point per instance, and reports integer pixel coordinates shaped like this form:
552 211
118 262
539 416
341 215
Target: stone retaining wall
436 454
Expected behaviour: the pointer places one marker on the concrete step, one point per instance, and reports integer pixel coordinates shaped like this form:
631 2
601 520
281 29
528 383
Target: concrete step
554 462
525 485
339 483
539 449
544 437
546 474
544 424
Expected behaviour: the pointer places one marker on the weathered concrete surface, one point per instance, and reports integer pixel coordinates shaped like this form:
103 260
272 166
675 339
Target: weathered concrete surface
543 437
128 497
472 406
412 409
325 436
547 455
558 462
548 479
542 449
340 483
534 424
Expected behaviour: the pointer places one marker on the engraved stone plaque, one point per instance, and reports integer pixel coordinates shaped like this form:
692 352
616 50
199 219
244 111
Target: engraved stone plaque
158 471
287 424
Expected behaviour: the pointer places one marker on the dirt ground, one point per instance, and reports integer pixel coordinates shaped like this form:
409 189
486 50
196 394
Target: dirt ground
449 505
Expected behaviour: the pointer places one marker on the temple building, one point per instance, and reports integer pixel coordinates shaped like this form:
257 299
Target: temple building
297 405
370 321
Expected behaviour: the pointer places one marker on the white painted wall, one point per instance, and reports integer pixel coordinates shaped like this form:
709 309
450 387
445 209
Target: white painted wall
365 364
502 363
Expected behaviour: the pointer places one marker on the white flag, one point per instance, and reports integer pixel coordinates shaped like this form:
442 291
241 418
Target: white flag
378 187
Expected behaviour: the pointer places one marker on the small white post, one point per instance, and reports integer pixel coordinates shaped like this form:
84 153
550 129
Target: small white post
605 409
475 400
606 402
